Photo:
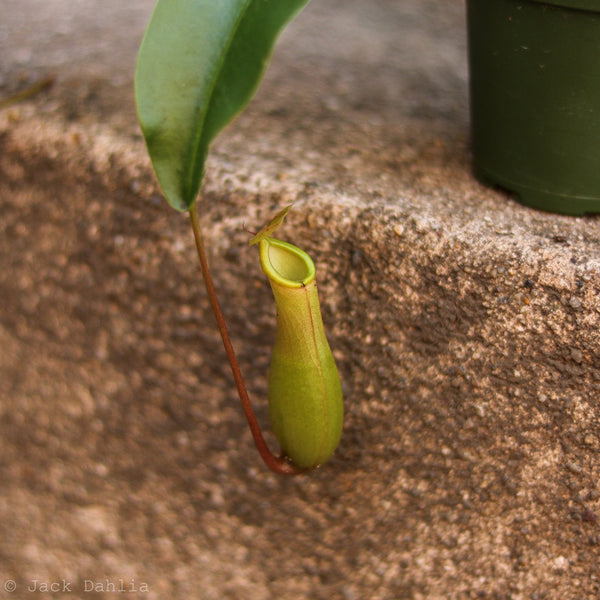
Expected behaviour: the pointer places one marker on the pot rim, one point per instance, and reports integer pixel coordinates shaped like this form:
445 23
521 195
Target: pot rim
589 5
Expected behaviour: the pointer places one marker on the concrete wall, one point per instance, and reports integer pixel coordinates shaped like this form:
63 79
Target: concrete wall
465 327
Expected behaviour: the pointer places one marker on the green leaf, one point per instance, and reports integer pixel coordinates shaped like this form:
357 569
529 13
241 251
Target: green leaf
199 64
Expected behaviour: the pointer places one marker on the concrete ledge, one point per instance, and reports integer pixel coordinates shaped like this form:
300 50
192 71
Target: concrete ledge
466 329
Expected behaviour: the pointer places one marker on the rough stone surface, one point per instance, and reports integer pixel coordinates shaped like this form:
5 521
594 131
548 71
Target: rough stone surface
465 326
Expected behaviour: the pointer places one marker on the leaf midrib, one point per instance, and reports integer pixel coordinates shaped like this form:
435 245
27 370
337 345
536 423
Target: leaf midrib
198 138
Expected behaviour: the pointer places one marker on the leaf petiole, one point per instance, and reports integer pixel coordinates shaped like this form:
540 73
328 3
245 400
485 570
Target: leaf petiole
277 464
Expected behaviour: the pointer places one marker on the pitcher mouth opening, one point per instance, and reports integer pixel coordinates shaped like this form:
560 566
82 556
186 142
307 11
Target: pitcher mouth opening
285 263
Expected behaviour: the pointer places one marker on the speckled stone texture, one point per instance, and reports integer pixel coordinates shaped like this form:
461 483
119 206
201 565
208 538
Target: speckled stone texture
465 327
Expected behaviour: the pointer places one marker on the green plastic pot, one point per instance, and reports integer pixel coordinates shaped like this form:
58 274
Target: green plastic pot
535 100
